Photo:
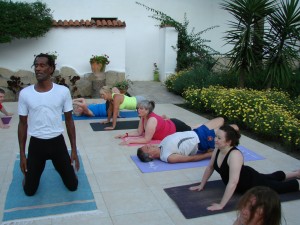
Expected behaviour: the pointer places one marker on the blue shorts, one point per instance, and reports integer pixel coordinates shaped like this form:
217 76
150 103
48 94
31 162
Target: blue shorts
99 110
206 137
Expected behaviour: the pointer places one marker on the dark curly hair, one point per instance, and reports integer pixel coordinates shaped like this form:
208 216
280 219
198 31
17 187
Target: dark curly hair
143 156
231 134
51 61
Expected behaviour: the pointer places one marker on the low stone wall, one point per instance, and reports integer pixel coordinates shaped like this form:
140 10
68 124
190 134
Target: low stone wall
87 86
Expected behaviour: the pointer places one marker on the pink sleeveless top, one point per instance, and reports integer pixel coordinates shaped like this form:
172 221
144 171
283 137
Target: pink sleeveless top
163 128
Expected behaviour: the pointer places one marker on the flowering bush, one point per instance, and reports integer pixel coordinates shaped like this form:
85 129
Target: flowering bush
103 59
268 113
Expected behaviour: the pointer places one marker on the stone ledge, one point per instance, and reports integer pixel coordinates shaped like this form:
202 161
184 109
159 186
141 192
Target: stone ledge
85 86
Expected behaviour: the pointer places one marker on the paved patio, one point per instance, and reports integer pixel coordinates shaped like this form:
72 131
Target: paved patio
123 194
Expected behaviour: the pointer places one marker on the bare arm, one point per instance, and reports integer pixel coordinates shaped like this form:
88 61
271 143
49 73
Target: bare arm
109 112
22 137
72 137
138 132
149 132
235 162
207 173
3 110
117 101
177 158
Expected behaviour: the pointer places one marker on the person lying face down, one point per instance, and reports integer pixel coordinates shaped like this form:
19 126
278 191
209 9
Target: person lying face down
81 108
188 146
152 126
117 102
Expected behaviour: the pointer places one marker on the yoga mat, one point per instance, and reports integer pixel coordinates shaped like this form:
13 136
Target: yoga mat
123 114
152 142
193 204
121 125
158 165
51 199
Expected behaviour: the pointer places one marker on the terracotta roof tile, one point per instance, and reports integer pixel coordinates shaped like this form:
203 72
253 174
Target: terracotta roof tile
71 23
66 23
99 23
104 23
76 23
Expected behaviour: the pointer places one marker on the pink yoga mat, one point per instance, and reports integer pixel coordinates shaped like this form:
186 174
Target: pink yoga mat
152 142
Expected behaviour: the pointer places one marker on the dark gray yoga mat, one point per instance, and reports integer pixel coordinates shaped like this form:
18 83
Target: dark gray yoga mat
121 125
193 204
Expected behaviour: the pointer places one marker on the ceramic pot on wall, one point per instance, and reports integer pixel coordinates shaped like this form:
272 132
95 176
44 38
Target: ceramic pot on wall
97 67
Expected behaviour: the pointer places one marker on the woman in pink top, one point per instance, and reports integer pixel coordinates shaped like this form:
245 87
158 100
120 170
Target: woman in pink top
153 126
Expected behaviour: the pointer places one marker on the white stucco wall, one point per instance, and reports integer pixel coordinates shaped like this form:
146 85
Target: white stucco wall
168 37
141 35
74 47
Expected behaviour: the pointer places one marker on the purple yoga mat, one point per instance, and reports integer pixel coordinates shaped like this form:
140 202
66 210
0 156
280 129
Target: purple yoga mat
158 165
6 119
193 204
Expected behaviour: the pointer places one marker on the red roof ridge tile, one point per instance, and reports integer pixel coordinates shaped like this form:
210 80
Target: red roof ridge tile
99 23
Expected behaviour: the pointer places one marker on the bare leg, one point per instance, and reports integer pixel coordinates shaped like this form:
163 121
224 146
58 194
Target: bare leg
293 175
215 123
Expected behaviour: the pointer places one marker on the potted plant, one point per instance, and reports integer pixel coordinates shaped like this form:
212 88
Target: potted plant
123 85
98 63
155 72
54 55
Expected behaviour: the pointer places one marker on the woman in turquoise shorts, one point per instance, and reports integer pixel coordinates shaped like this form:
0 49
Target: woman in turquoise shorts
81 108
117 102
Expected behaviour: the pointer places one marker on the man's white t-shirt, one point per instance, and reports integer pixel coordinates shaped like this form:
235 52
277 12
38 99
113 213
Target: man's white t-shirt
44 110
183 143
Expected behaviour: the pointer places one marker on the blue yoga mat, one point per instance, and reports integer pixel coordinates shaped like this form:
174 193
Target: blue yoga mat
158 165
123 114
51 199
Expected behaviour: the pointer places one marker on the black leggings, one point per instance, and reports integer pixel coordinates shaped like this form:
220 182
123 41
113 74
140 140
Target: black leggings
39 151
276 181
180 126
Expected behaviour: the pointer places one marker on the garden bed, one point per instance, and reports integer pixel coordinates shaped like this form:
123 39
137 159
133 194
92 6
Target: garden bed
271 143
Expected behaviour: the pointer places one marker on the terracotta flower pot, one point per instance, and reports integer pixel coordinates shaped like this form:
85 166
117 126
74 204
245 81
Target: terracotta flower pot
97 67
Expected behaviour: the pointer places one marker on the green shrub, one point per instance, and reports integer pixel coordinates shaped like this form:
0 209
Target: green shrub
23 20
169 82
268 113
195 77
